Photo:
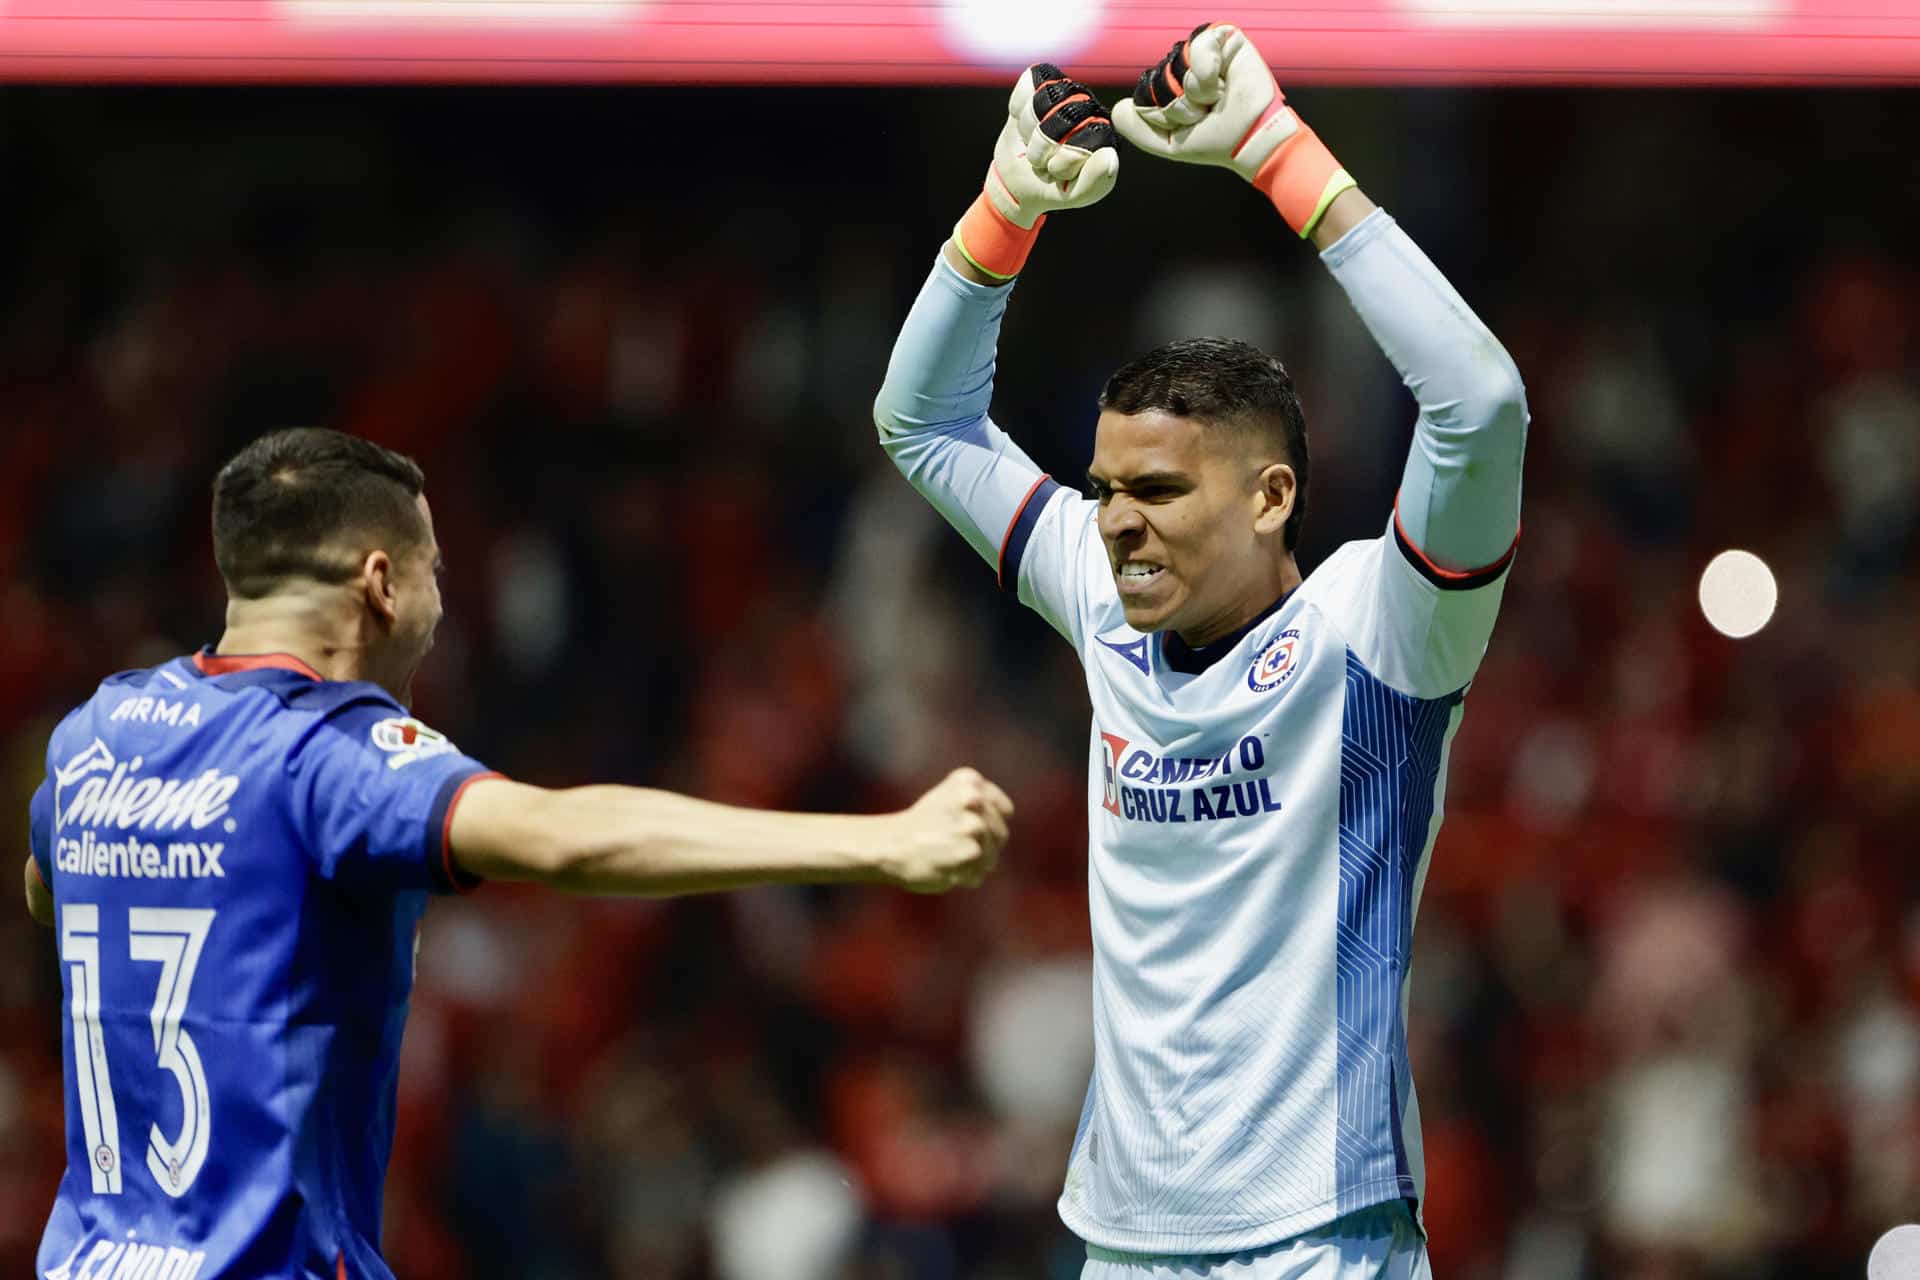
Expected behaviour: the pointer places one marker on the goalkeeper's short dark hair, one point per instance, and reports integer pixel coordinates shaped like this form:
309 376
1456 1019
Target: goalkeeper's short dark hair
310 503
1226 383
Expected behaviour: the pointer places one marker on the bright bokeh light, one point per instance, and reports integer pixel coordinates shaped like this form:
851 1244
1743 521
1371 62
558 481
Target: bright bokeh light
1896 1256
1738 593
1017 32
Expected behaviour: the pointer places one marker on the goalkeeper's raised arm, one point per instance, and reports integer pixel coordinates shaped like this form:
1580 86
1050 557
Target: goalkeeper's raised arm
1056 150
1213 101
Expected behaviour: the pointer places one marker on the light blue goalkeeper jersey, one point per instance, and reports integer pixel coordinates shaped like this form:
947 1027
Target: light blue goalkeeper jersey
1259 814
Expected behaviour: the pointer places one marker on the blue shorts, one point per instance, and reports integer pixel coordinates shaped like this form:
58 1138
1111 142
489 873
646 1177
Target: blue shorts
1380 1243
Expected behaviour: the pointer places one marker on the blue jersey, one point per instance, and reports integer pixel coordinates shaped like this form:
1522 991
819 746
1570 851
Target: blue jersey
240 853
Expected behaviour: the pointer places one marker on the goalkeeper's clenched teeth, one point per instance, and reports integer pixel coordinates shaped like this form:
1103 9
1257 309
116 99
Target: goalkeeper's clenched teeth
1138 572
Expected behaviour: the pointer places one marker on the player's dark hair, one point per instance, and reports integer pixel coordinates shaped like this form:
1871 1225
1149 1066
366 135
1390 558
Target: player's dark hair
1221 382
310 503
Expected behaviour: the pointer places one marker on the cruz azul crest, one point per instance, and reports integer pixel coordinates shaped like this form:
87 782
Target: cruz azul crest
1276 663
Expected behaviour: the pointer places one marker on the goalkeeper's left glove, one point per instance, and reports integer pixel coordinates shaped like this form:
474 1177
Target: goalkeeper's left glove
1213 100
1057 150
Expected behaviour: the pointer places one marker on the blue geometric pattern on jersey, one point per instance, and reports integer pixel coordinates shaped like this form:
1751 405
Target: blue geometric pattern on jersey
1390 748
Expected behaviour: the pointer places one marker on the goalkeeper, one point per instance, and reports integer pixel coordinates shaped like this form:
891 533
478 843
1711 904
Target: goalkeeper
1268 751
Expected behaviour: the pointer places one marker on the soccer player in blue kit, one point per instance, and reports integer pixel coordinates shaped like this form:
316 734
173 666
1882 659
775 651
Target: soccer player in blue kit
236 847
1268 752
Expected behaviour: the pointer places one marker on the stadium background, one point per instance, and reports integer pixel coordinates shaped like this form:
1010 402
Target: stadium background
1665 1021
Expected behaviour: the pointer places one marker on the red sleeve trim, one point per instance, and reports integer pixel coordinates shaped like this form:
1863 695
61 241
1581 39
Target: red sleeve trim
1450 579
39 875
340 1266
1013 526
462 881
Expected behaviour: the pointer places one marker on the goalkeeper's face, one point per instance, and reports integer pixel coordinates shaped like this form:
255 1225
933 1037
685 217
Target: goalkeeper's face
1192 519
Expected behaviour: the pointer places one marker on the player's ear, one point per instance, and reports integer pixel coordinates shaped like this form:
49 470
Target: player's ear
1275 496
376 579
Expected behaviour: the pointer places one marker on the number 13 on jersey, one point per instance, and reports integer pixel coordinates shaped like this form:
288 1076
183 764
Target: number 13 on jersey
173 938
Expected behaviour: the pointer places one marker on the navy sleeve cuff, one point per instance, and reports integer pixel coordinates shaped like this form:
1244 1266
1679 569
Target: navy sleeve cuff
1451 579
1013 547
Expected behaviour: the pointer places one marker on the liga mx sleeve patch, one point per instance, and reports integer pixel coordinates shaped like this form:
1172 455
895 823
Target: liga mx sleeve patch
406 740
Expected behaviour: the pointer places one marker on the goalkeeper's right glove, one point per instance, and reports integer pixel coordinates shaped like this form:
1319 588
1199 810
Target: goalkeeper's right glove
1057 150
1213 100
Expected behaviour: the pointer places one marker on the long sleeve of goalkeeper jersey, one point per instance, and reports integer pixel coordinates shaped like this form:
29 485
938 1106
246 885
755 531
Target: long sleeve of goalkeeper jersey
1458 508
932 416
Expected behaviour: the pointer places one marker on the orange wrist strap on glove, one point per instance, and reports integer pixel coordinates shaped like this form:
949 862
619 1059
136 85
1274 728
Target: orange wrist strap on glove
1302 178
992 241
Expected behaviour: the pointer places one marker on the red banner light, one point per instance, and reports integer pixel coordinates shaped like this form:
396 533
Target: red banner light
953 41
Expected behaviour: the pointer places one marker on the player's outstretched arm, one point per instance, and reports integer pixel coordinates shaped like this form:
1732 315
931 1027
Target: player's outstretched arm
630 840
39 897
1213 101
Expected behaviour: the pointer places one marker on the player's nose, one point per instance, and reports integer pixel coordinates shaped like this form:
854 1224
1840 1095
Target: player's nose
1119 518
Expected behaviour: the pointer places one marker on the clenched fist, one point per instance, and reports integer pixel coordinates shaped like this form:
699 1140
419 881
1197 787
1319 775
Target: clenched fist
1213 100
1056 150
950 838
